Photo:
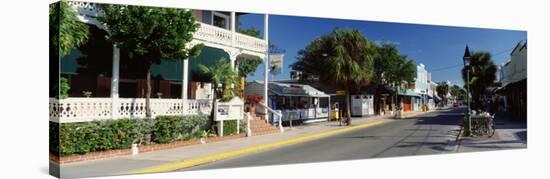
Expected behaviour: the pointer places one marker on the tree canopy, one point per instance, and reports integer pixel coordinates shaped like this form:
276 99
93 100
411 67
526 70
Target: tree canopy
343 58
458 92
482 72
442 90
151 33
391 68
248 64
66 32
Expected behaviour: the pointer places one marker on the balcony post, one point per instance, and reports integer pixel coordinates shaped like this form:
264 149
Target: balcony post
184 85
233 28
266 64
114 83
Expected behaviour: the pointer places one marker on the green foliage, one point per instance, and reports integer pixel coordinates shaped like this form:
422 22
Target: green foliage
251 32
344 57
66 32
248 65
458 92
64 88
54 137
170 128
230 127
166 129
442 90
391 68
222 74
151 33
84 137
482 75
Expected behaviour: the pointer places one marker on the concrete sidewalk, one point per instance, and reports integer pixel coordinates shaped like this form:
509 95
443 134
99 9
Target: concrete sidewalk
125 164
509 134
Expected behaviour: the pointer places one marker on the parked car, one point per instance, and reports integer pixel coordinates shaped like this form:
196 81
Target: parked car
455 104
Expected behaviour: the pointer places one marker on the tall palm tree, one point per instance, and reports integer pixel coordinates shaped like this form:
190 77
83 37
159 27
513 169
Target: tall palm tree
223 79
343 58
66 32
482 75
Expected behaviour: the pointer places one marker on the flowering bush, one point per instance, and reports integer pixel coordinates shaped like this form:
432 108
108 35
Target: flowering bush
253 99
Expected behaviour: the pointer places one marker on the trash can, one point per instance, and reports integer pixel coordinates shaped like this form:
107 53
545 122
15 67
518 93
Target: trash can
335 113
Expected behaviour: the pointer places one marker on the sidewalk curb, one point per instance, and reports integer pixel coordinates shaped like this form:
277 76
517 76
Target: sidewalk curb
212 158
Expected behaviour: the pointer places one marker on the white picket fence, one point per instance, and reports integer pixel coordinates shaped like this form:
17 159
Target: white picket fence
88 109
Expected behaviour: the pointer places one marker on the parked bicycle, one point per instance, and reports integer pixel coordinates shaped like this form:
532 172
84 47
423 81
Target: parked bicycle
482 125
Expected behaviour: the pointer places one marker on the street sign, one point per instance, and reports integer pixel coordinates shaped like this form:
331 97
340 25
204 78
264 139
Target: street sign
340 93
276 63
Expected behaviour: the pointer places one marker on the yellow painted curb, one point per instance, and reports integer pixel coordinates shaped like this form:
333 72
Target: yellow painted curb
207 159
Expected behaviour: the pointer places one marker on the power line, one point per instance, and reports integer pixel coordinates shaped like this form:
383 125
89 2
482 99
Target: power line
446 68
458 65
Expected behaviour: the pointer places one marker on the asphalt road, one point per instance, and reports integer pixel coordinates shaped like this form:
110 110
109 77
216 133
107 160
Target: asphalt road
431 133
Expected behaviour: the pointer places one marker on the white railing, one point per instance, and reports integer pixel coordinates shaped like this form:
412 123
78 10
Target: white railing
248 42
86 8
277 113
88 109
206 33
214 34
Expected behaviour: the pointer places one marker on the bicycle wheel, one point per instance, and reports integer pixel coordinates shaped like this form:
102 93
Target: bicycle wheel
491 131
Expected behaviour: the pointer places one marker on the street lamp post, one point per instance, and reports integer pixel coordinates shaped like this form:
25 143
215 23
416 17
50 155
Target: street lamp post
467 57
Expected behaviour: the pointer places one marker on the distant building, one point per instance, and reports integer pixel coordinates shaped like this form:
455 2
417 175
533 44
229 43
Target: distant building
421 87
514 82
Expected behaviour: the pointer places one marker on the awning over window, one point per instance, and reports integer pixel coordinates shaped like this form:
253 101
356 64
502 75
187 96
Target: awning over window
410 93
285 89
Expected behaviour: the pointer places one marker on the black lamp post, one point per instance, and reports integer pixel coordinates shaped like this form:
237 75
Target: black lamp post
467 57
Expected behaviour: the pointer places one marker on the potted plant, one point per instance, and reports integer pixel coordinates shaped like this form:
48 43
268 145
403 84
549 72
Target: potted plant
87 94
159 95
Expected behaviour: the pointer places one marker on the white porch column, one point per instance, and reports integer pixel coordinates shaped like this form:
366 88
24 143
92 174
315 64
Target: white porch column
114 83
233 27
266 63
233 59
184 84
185 79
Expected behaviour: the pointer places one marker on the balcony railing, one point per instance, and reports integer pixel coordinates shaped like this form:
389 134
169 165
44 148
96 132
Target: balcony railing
206 33
88 109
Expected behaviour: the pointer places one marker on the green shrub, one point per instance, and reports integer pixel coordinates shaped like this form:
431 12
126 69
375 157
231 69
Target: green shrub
54 137
64 88
230 127
170 128
166 129
84 137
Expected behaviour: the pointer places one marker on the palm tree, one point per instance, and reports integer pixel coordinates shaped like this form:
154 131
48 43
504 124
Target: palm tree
66 32
343 58
442 91
482 75
221 73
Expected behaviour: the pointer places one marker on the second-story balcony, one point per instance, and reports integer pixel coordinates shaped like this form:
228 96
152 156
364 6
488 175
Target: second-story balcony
207 34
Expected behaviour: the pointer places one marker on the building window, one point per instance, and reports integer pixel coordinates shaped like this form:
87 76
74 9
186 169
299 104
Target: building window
220 20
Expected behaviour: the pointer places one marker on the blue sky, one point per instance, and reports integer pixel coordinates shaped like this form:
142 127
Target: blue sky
437 47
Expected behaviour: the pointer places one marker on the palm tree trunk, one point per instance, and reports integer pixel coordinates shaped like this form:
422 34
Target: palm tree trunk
148 92
348 106
213 109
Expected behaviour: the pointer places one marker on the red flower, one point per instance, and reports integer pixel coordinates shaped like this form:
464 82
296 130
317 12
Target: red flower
253 99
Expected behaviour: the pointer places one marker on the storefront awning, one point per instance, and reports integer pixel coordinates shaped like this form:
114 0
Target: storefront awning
410 93
285 89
